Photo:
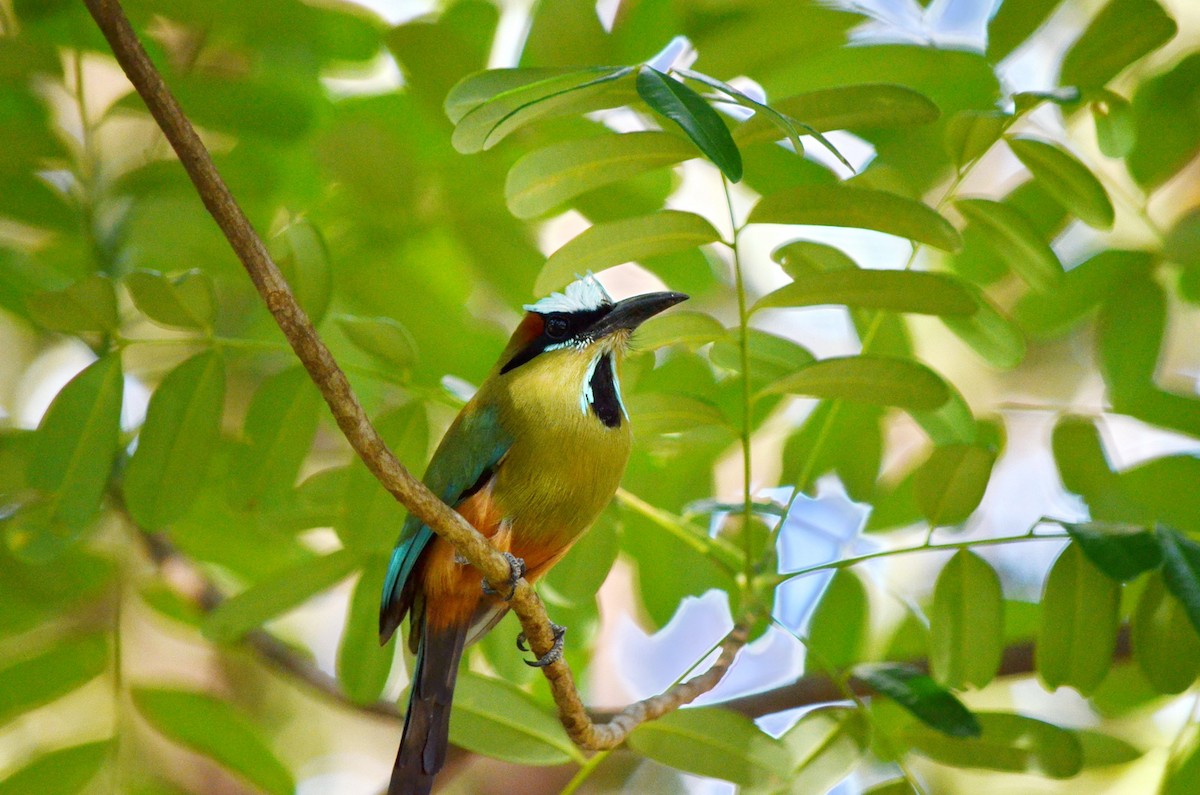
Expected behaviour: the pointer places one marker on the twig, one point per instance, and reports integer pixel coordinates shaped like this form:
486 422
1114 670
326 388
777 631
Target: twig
348 412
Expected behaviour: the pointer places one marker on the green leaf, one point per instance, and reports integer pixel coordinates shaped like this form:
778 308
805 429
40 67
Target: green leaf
716 743
897 291
548 177
771 357
971 133
1006 742
950 484
681 327
514 98
1121 551
177 441
1181 571
575 580
928 701
1102 750
50 675
825 746
383 338
861 208
363 664
217 730
277 594
1111 43
1167 134
837 631
1182 776
694 116
949 424
188 301
654 413
625 240
1165 644
989 333
89 304
62 772
1014 22
1080 616
77 441
867 105
1066 179
495 718
1087 285
1116 126
279 430
878 380
966 624
1129 339
897 786
371 517
300 251
800 258
1079 454
1015 239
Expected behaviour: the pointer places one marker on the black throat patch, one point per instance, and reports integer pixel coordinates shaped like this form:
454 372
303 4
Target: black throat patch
605 402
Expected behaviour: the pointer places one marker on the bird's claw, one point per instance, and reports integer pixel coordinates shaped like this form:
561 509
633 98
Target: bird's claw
555 653
516 570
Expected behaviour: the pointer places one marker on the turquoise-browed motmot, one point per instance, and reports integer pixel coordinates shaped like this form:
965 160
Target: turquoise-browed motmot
530 461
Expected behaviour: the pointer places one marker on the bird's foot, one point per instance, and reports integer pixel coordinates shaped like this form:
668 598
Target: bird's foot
555 653
516 570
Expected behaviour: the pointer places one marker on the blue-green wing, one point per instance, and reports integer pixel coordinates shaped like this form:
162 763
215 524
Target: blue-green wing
472 446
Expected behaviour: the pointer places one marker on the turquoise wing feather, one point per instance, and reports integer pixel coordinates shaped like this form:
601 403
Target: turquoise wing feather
472 446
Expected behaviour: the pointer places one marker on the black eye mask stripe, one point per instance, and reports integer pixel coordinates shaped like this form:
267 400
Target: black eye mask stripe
577 324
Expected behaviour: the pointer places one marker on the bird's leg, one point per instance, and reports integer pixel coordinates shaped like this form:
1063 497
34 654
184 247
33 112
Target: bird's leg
555 653
516 570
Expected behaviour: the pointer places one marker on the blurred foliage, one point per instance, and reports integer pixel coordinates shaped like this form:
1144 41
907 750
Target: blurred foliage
408 222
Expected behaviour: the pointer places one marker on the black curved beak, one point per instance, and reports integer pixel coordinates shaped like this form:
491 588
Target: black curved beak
632 312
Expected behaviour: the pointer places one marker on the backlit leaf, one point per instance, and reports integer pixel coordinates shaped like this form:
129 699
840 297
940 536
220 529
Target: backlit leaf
989 333
547 177
1006 742
1165 644
1116 127
877 380
279 430
713 742
625 240
897 291
970 133
862 208
176 443
303 257
1014 22
950 484
77 441
1066 179
678 328
89 304
187 301
837 631
362 664
1110 43
966 623
382 337
655 413
694 116
825 745
217 730
38 680
1014 238
928 701
62 772
277 594
494 718
1079 624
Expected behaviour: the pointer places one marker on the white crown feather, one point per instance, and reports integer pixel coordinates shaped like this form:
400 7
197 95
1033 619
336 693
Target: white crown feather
582 295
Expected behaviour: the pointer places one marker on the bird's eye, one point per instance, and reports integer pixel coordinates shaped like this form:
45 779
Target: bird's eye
556 327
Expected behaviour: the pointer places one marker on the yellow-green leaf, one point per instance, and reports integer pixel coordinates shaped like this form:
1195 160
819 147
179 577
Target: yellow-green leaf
494 718
1165 644
714 742
1123 32
678 328
382 337
970 133
837 632
176 443
1080 615
89 304
65 771
966 624
860 208
989 333
950 484
879 380
187 301
1008 743
867 105
625 240
897 291
1066 179
1015 240
547 177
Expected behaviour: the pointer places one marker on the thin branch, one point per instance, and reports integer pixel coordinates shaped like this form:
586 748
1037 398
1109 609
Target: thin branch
349 413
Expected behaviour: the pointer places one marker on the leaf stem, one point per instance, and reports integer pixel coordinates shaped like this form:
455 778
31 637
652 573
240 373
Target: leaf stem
716 549
747 395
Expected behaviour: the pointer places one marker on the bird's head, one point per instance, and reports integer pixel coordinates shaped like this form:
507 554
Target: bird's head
569 344
583 319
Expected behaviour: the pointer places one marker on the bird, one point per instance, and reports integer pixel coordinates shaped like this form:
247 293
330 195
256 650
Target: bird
530 462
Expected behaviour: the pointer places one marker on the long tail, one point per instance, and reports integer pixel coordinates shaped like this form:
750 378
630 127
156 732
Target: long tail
427 728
